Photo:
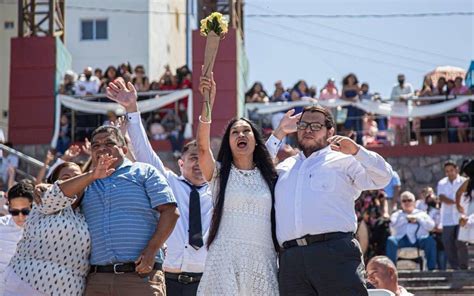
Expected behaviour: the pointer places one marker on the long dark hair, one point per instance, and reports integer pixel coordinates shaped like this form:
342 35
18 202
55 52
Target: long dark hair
263 162
467 168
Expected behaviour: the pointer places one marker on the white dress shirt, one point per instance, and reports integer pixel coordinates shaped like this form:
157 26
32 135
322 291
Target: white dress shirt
406 92
84 86
449 213
10 235
179 255
316 195
400 226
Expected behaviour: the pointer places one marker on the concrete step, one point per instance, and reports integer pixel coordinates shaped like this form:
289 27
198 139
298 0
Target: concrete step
441 291
424 282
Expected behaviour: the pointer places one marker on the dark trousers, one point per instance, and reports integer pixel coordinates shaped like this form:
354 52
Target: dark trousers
328 268
456 251
175 288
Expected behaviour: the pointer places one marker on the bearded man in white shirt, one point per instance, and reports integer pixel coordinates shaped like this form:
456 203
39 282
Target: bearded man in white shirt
314 206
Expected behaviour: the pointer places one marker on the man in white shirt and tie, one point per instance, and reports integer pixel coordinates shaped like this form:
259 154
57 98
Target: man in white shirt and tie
314 206
186 252
456 251
411 228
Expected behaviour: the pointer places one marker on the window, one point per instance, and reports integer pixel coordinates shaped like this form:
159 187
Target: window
8 25
94 30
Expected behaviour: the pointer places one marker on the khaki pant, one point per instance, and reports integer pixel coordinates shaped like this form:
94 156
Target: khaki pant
110 284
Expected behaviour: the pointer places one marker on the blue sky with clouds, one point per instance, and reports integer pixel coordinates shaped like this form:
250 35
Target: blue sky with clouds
375 49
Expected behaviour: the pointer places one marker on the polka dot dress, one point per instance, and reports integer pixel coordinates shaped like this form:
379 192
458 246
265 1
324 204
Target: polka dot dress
53 255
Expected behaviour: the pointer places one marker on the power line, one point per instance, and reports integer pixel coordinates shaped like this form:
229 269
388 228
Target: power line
122 10
345 54
363 36
325 38
360 16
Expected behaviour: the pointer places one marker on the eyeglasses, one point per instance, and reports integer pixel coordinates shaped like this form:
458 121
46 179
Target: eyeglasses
314 126
15 212
407 200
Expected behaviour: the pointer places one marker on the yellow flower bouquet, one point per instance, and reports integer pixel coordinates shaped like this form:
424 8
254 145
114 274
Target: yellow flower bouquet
213 27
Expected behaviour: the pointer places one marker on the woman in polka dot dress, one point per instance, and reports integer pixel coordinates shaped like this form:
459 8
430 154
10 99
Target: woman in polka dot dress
52 258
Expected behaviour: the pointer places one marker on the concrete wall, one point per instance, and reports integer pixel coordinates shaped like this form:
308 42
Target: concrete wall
418 172
8 13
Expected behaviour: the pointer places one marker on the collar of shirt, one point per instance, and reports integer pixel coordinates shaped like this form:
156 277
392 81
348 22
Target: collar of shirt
125 163
181 178
315 153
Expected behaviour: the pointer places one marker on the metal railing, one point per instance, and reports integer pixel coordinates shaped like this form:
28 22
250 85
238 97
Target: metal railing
28 161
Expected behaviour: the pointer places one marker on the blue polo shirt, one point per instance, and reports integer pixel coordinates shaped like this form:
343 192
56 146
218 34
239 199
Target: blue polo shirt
120 212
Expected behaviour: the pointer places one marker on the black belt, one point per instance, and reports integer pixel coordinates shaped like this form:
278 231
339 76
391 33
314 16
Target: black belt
184 277
119 268
311 239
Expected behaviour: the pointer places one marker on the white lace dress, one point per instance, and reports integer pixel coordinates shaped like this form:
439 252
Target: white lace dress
242 258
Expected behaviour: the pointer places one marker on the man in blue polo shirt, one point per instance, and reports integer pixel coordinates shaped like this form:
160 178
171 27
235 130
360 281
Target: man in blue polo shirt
130 215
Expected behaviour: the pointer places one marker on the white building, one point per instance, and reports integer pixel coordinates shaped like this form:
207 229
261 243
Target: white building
152 33
8 29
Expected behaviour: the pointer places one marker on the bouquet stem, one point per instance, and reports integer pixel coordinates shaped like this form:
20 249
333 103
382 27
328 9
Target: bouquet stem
210 53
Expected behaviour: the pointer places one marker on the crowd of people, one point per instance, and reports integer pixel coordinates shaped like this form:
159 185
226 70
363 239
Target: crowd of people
372 130
167 123
108 218
434 221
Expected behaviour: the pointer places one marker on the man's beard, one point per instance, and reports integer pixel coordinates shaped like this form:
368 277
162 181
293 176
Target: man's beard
310 149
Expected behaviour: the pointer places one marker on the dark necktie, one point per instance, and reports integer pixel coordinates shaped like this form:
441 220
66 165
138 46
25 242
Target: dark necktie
195 226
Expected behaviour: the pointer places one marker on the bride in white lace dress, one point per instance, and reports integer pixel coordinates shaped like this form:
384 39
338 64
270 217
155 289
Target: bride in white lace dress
241 258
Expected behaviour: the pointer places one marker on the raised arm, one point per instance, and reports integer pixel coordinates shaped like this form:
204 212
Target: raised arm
42 172
126 95
207 162
287 126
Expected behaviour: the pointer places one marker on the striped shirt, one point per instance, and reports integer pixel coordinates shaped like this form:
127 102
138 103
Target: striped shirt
120 212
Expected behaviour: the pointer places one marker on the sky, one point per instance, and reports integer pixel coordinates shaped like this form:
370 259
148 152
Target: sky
375 49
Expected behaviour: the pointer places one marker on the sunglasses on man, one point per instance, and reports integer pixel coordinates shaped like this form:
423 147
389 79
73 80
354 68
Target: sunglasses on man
16 212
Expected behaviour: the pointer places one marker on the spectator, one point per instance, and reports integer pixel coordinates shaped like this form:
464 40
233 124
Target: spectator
427 87
8 161
140 81
110 75
20 199
280 94
167 80
461 121
64 137
434 125
350 93
98 73
256 94
329 91
449 86
440 89
410 228
300 89
401 93
393 192
68 85
174 129
369 130
125 69
456 251
87 83
364 92
184 77
382 274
